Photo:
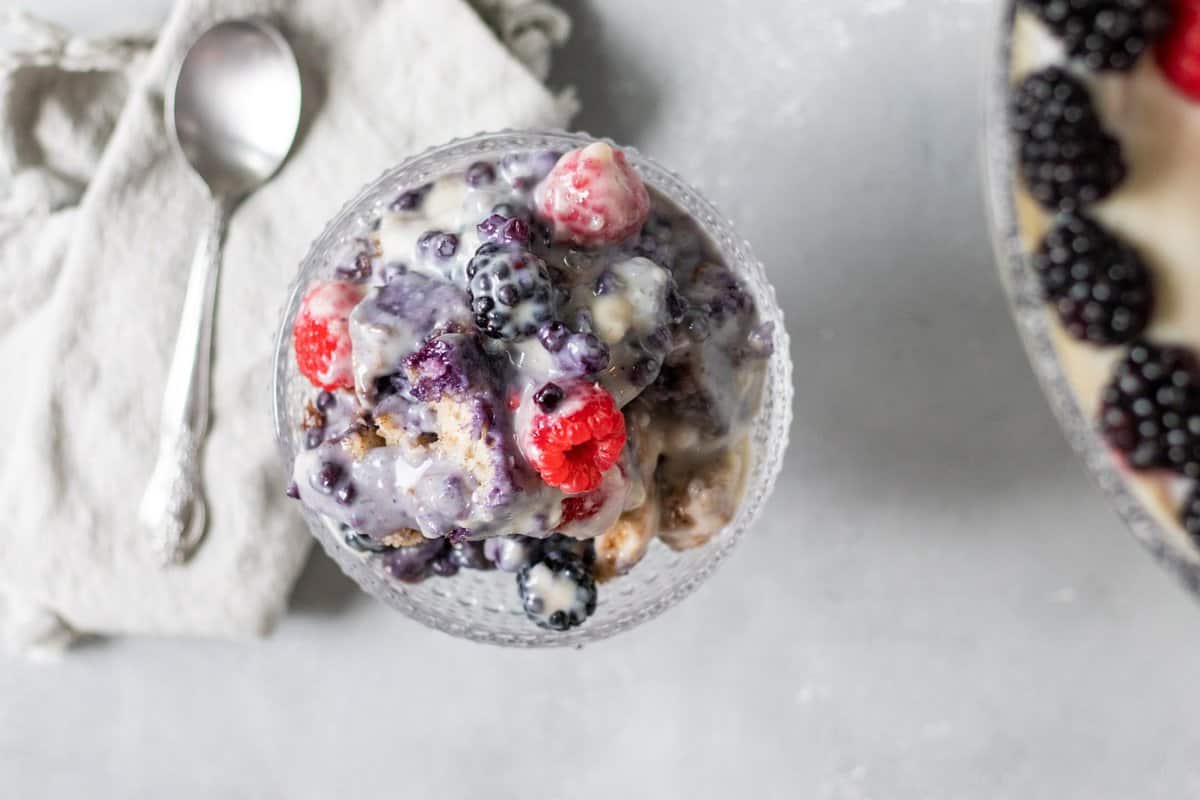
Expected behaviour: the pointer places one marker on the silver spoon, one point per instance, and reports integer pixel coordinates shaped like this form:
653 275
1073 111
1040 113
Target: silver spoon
233 109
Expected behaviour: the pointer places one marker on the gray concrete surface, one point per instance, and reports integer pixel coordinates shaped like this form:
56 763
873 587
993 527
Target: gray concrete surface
938 604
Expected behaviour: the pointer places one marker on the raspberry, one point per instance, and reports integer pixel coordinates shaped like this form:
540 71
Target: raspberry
593 197
579 507
1104 34
1179 52
321 334
572 447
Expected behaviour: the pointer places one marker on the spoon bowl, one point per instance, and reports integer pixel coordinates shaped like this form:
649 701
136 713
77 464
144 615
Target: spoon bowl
236 105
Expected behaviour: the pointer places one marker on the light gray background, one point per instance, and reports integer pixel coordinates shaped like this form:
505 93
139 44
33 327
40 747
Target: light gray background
938 604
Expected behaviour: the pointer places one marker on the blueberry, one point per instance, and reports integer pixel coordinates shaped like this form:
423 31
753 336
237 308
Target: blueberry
326 400
553 335
412 564
393 270
443 566
548 397
292 491
363 544
438 244
761 341
412 199
511 553
643 372
361 269
658 340
481 173
676 305
524 170
607 283
345 494
470 555
313 438
697 326
387 385
327 477
584 354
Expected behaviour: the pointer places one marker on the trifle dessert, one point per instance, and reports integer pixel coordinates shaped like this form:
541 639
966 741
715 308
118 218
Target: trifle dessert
534 365
1104 122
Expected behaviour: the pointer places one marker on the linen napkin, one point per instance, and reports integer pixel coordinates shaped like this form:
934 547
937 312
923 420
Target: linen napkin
98 220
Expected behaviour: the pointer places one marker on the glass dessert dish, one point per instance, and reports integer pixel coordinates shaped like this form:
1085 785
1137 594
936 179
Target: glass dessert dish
1092 113
522 365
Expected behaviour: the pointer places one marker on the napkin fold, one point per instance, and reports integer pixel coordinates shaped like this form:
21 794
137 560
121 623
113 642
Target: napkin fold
98 220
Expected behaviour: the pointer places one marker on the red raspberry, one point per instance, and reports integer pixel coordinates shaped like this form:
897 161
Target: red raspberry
593 197
321 334
1179 51
573 446
580 507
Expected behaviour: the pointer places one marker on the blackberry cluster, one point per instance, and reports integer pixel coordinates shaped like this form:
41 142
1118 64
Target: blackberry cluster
1150 409
510 291
1067 159
540 586
1098 284
1189 514
1105 34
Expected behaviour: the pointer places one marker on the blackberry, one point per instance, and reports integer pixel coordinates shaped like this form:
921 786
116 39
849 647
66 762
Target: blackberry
558 592
1098 284
1189 514
1067 159
1150 409
1105 34
510 291
582 549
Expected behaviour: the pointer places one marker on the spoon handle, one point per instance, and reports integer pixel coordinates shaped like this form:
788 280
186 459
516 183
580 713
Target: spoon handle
172 508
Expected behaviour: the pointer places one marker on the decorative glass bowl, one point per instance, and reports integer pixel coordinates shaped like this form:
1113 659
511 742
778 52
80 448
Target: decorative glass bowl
484 606
1034 321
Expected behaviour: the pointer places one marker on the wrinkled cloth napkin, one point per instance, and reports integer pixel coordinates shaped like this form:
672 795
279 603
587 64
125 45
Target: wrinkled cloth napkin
98 221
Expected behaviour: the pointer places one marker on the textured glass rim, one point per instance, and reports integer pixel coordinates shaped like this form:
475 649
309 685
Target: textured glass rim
1029 312
772 424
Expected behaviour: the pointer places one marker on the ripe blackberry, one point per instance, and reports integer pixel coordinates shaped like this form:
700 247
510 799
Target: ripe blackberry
1105 34
1189 514
1067 159
1150 409
510 291
558 592
1098 284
